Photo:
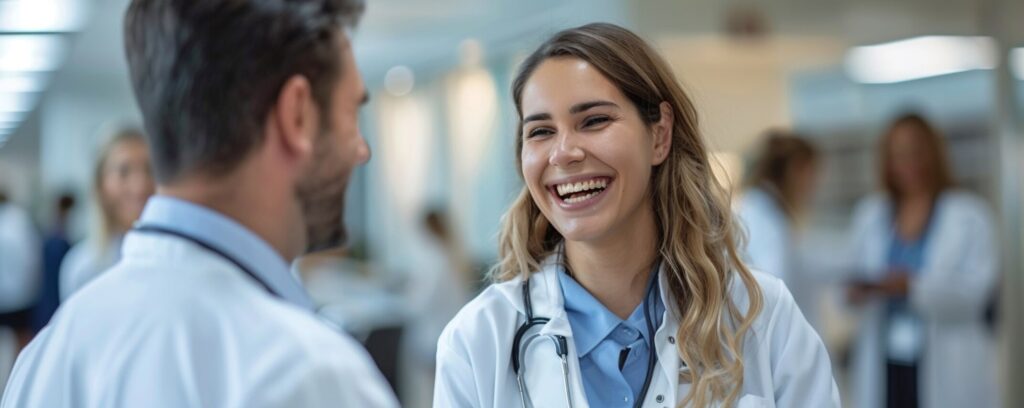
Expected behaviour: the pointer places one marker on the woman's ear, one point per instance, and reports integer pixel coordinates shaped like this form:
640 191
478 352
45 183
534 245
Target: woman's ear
662 134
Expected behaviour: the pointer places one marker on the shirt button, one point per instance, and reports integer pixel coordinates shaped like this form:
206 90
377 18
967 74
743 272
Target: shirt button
659 399
625 399
672 339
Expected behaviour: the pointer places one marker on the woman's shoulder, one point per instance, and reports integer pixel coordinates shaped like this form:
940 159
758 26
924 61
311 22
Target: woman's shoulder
772 289
776 300
84 260
965 202
80 254
479 316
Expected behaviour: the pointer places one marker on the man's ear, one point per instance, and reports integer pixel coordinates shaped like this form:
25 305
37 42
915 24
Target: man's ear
294 117
662 134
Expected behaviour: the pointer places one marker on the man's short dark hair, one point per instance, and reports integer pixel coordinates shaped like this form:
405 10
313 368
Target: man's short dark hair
207 72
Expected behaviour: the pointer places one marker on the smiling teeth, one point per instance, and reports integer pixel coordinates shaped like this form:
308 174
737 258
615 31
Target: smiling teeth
570 188
585 197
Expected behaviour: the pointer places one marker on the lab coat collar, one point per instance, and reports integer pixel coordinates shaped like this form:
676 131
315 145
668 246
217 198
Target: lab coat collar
545 296
547 300
227 236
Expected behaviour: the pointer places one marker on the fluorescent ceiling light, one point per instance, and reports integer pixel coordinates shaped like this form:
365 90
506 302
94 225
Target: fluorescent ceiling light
1017 62
11 116
30 52
41 15
11 82
920 57
17 102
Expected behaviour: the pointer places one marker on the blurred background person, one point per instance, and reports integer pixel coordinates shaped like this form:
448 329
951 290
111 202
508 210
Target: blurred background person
19 278
779 189
925 259
435 292
122 182
19 267
56 245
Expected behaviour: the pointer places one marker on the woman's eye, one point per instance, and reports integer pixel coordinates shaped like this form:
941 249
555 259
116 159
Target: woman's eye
595 120
539 132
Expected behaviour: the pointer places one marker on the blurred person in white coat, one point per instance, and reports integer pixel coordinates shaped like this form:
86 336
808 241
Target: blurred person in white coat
20 276
19 264
122 182
772 211
251 109
619 282
925 262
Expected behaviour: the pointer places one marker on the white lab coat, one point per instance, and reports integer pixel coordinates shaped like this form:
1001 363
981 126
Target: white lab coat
769 246
786 364
173 325
20 256
773 247
949 293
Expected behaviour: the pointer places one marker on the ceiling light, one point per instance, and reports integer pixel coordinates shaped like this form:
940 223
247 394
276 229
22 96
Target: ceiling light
399 80
41 15
17 102
920 57
30 52
11 116
11 82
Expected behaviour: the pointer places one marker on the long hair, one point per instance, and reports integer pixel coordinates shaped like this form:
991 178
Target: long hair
936 157
696 233
781 152
106 221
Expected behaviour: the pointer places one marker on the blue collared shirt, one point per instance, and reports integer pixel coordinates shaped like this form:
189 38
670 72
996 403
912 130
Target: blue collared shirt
229 237
600 338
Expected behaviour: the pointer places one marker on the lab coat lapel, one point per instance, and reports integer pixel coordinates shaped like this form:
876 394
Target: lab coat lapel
544 378
669 362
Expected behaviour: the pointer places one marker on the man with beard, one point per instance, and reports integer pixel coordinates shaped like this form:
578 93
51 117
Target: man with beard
251 108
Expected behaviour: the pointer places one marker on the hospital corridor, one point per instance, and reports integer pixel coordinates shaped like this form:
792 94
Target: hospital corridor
511 203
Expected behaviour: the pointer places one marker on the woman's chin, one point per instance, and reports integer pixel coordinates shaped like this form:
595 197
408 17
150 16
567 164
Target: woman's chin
582 233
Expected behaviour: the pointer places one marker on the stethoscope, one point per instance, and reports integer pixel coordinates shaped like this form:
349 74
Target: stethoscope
521 343
155 229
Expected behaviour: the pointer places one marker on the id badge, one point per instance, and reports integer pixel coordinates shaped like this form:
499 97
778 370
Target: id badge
905 338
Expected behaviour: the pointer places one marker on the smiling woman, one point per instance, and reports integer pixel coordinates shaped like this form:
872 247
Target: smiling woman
620 250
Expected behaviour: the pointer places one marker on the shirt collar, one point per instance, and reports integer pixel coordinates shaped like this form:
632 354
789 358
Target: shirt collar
592 322
229 237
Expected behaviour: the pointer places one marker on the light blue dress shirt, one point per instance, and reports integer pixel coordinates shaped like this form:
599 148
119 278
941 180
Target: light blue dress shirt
229 237
600 338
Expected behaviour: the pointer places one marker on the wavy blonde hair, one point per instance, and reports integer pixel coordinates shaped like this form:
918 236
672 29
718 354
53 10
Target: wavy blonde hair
695 226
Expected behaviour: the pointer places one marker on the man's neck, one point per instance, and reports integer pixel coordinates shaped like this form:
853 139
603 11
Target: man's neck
242 197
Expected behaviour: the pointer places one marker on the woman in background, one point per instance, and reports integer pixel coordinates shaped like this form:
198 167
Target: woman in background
122 183
778 191
925 264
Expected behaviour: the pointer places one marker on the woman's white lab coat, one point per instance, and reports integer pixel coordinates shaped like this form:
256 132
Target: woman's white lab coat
786 364
949 294
85 261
